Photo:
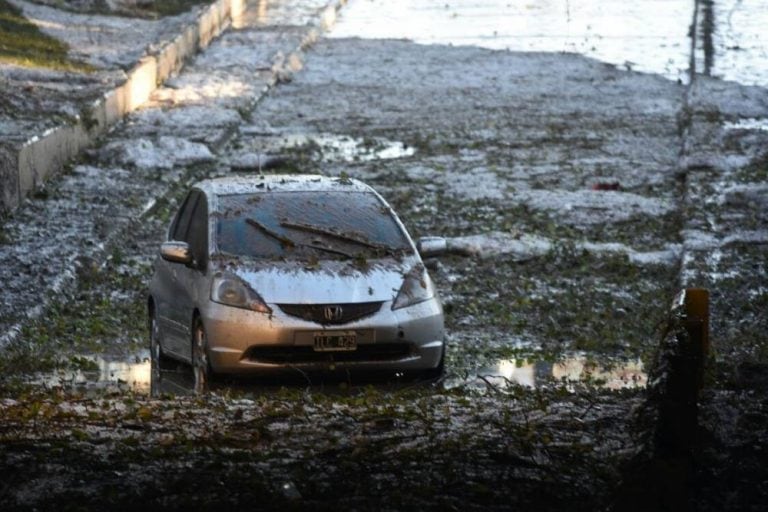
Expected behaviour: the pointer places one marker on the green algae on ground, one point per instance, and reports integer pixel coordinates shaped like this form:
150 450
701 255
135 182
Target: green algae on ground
143 9
22 43
567 300
470 448
168 7
88 321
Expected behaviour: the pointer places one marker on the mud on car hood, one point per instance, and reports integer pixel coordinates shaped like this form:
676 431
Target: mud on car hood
326 282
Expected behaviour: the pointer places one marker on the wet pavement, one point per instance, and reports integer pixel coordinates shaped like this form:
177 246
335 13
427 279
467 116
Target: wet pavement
578 197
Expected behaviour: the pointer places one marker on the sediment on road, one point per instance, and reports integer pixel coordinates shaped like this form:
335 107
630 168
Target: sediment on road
569 184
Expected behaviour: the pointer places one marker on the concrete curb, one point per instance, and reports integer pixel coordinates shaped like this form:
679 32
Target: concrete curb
43 155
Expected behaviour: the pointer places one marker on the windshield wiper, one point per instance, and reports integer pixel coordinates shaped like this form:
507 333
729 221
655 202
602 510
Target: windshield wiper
317 244
287 242
335 234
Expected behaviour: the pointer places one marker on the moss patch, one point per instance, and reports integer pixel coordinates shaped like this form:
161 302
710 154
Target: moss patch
22 43
171 7
143 9
566 301
89 321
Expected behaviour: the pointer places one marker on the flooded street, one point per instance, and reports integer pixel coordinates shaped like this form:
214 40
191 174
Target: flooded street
99 375
580 179
651 36
739 46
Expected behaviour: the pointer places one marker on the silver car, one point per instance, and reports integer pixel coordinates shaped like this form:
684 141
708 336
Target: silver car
311 273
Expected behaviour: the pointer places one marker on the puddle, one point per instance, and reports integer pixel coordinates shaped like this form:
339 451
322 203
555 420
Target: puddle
135 375
645 35
334 148
748 124
578 369
103 373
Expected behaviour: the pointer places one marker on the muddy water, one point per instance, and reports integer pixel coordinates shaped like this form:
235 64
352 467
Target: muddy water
134 374
570 371
645 35
334 147
99 372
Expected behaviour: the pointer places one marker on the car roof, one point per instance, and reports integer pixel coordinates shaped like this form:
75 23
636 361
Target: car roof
280 183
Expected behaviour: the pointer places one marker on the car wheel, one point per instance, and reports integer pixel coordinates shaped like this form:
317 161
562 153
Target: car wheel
200 364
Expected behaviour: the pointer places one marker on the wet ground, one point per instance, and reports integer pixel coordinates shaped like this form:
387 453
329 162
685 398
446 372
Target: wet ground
651 36
577 196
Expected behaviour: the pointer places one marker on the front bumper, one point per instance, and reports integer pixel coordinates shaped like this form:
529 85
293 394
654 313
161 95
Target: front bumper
246 342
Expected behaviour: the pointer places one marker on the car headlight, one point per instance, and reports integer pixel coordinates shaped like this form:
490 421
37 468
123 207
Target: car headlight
417 287
232 291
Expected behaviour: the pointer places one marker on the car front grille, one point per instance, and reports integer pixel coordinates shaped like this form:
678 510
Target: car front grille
306 354
331 314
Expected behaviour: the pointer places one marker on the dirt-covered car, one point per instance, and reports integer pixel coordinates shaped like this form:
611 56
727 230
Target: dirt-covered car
293 272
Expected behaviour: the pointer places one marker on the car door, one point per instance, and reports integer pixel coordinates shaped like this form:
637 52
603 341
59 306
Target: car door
192 284
170 313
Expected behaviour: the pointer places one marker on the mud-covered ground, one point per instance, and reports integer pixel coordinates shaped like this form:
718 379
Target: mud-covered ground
578 199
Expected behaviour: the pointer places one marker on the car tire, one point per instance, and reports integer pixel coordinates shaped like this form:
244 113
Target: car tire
201 366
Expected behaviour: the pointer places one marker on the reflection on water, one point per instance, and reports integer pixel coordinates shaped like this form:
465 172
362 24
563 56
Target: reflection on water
643 35
739 41
337 147
748 124
607 374
94 372
178 379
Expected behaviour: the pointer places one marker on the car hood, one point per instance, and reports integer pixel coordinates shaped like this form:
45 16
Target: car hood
328 282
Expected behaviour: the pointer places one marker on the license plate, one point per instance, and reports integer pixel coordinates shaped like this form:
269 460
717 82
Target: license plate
335 341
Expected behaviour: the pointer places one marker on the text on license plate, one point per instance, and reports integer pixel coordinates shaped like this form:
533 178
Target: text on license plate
335 341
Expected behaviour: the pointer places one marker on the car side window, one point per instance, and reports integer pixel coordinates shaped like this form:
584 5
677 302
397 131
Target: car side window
181 224
197 235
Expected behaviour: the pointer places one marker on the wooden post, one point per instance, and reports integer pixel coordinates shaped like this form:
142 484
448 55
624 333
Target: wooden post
697 324
659 476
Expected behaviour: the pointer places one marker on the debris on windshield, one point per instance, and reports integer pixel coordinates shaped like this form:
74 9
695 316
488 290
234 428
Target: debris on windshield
361 263
312 263
344 179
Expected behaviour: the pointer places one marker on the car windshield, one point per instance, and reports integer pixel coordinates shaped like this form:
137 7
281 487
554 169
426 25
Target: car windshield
307 225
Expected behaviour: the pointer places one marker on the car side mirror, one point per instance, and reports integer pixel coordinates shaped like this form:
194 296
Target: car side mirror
429 246
176 252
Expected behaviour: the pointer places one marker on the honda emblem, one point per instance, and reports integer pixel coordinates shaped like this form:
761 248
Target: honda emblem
333 313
